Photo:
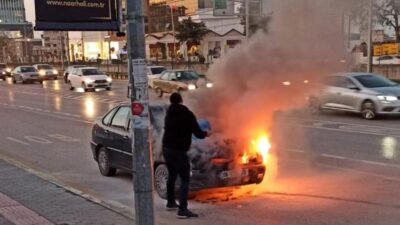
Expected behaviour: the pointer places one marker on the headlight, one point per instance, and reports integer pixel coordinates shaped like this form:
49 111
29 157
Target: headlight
109 80
42 72
384 98
55 71
192 87
209 85
8 70
89 81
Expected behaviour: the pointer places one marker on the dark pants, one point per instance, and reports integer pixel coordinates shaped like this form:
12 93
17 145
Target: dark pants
178 165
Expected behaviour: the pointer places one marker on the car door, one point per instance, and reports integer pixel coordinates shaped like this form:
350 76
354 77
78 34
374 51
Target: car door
172 82
328 97
163 82
119 144
348 93
15 74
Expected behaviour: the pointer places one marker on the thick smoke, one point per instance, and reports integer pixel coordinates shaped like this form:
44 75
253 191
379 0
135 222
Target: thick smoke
304 43
274 71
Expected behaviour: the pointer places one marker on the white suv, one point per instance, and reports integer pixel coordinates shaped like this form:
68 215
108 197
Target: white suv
89 78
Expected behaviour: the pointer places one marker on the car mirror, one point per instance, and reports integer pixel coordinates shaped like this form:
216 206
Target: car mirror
353 87
173 79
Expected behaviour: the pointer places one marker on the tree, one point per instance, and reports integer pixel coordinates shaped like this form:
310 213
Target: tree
190 32
388 12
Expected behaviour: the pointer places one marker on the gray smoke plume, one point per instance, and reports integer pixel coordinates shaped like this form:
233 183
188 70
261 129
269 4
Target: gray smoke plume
305 42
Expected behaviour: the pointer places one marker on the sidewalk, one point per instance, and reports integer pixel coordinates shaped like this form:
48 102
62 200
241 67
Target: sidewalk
26 199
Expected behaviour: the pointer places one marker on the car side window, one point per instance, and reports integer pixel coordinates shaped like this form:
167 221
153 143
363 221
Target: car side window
108 117
164 76
172 76
120 119
344 82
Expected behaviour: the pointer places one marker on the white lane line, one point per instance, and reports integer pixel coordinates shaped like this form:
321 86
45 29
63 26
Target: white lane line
348 131
18 141
351 159
333 156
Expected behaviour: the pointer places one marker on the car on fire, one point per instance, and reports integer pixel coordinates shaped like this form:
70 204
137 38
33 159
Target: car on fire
364 93
213 161
171 81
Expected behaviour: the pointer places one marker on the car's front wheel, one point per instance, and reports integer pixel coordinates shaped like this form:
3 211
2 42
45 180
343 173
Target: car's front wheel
160 180
103 161
368 110
159 92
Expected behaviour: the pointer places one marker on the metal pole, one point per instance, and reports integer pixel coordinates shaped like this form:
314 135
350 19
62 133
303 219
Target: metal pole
142 163
370 29
247 12
173 33
62 50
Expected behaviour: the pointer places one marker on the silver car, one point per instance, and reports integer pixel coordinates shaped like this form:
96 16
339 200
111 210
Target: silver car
368 94
25 74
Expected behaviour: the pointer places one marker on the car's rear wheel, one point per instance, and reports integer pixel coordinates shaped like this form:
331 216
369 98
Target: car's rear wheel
108 89
70 86
159 92
14 81
314 105
160 180
103 161
368 110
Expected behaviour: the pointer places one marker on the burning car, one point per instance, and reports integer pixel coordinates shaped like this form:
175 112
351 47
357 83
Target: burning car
214 163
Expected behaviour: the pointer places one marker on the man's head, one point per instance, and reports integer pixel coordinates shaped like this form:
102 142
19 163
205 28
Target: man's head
176 98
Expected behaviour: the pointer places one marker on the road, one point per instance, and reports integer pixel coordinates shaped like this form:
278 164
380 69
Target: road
332 168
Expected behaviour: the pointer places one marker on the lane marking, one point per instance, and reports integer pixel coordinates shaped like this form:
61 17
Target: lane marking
18 141
369 162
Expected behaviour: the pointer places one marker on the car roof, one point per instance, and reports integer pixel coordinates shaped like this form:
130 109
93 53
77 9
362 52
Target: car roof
178 70
42 64
25 66
353 74
87 67
155 66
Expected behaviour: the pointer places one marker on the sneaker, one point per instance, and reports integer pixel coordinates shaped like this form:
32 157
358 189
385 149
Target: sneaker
186 214
171 207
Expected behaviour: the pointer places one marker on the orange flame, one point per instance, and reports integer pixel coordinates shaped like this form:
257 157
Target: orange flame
259 147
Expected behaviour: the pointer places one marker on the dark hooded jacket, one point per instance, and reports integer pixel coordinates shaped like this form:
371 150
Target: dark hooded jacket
180 124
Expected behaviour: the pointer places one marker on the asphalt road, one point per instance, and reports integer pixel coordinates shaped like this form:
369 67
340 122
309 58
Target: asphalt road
332 168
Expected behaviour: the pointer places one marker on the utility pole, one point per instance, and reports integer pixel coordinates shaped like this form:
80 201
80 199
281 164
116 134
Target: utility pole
370 41
247 12
173 33
142 163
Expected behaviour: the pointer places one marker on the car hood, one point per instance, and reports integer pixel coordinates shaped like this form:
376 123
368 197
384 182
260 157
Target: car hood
97 77
393 91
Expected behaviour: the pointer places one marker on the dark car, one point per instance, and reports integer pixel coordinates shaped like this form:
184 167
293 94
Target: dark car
25 74
213 164
5 71
171 81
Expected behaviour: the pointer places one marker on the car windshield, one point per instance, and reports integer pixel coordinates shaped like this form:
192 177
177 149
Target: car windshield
45 67
187 75
372 81
3 66
89 72
28 69
157 70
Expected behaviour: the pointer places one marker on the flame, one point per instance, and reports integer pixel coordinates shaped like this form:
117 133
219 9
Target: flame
262 146
259 146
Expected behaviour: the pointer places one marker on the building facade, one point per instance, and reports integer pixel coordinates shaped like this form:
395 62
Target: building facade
13 18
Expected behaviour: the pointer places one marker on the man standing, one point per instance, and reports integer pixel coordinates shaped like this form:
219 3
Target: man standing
180 124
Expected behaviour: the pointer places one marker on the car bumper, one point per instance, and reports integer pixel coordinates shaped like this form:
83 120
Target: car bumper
388 108
48 77
99 85
244 175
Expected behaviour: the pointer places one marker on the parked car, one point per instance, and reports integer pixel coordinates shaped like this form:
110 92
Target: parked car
5 71
25 74
365 93
387 60
89 78
212 166
46 71
154 72
177 81
68 71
